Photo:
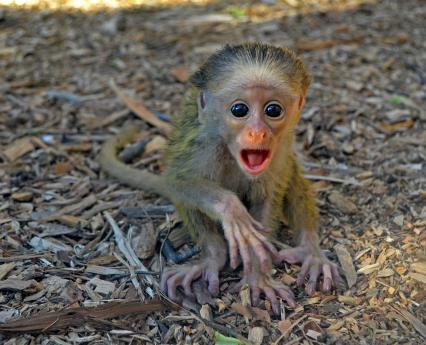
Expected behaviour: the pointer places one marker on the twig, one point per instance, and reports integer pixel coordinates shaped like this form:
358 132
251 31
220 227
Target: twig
351 180
287 332
128 252
133 276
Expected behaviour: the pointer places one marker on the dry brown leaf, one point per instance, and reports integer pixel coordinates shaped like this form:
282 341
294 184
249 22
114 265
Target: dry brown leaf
181 73
62 168
399 126
242 310
139 109
284 325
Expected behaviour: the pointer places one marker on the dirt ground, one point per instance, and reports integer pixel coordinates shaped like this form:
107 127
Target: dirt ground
362 140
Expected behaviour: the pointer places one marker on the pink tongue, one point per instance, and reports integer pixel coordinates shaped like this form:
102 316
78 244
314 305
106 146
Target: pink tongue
255 159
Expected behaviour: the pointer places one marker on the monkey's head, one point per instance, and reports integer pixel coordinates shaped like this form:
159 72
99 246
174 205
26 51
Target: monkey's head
252 96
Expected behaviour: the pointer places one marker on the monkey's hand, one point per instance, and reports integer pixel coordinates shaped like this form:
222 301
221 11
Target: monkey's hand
314 263
244 236
263 284
184 275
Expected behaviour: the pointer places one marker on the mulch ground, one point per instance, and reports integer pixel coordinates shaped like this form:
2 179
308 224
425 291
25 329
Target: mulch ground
76 246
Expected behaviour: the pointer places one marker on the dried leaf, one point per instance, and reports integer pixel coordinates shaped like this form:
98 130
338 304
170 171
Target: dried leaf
139 109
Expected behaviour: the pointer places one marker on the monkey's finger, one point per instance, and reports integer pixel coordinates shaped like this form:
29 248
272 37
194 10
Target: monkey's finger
260 227
172 284
243 247
314 272
268 245
233 249
255 293
303 271
237 287
212 279
287 295
270 294
192 275
327 278
260 252
164 278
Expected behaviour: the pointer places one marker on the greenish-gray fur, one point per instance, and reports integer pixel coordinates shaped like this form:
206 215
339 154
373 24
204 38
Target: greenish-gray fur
289 193
221 64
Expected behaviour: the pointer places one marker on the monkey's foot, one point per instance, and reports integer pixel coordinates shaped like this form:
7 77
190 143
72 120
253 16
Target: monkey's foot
263 284
185 275
314 263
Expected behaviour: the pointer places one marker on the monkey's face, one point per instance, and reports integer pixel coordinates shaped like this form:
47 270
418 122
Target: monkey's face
256 117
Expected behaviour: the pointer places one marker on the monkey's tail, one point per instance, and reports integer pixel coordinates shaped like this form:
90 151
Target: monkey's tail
124 173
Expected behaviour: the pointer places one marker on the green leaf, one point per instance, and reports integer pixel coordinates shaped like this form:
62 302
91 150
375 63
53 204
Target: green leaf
222 340
236 12
396 99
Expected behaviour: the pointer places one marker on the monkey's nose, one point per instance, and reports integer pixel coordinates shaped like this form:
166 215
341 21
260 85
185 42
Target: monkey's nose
256 135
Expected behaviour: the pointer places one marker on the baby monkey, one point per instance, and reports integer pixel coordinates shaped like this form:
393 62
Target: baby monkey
233 175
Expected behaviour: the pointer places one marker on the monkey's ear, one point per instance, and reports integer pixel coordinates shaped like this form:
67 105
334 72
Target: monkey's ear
204 101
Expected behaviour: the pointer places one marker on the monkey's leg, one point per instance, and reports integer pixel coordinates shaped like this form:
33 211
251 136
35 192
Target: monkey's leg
263 284
302 215
212 258
241 230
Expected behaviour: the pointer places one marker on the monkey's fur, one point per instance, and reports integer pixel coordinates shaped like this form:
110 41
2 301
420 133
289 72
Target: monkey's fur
203 179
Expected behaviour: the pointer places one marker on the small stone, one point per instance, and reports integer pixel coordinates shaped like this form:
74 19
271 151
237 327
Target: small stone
348 148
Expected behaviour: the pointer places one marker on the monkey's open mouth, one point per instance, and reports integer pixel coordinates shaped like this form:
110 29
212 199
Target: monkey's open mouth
255 161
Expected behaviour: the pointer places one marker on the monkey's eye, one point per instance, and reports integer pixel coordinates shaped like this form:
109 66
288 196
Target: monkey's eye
273 110
239 110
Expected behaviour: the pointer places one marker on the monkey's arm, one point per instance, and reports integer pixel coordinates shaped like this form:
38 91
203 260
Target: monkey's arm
240 229
303 217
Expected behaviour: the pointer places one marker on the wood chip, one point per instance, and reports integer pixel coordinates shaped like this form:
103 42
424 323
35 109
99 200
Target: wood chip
256 335
418 276
19 148
346 262
22 196
342 203
16 284
6 268
368 269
